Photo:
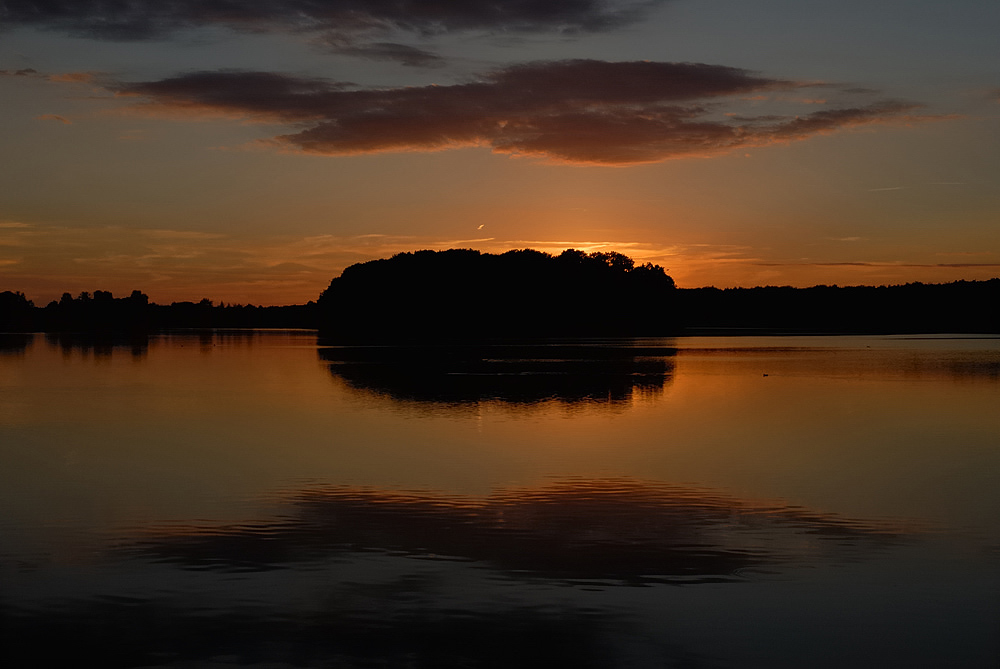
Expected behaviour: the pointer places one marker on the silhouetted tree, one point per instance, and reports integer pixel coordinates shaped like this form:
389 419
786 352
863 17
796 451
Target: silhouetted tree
463 294
16 312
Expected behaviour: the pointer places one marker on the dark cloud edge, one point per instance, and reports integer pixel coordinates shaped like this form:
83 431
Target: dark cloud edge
574 111
349 27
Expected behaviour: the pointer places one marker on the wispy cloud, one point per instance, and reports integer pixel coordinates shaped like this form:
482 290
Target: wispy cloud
908 265
54 117
401 53
73 77
578 111
964 253
346 26
189 235
132 135
147 19
44 260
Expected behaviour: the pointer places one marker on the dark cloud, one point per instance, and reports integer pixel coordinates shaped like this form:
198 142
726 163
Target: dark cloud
401 53
352 26
579 111
62 78
146 19
27 72
834 119
268 94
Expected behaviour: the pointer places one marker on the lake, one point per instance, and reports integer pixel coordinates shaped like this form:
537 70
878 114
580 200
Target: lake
263 499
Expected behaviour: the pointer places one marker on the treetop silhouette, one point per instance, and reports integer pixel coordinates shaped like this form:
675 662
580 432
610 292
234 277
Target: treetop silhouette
464 294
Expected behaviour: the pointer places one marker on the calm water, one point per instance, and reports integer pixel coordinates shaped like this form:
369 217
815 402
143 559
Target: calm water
259 499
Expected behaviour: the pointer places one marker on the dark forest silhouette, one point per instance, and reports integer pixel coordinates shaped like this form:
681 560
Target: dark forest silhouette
957 307
102 312
464 295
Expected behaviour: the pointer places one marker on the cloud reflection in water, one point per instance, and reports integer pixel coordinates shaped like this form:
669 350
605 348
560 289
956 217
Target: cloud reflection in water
617 531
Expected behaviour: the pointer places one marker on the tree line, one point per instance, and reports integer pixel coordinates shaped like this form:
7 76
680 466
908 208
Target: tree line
101 311
957 307
463 295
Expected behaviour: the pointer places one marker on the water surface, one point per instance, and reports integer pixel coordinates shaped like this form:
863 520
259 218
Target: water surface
259 498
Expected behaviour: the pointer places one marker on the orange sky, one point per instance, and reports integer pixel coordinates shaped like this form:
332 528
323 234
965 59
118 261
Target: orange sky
188 154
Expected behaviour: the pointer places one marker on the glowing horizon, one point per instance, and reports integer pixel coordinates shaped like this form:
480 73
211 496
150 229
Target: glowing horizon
191 152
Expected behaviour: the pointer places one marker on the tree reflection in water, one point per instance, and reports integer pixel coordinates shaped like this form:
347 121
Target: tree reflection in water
515 374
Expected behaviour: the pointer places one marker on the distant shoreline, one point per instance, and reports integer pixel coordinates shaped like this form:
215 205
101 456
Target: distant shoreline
463 295
961 307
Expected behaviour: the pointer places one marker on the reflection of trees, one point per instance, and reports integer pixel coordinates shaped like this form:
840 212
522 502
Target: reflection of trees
957 365
208 338
15 343
951 361
618 530
100 344
515 374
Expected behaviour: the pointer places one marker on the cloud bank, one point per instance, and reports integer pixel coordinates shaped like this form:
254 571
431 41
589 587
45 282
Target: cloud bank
575 111
345 26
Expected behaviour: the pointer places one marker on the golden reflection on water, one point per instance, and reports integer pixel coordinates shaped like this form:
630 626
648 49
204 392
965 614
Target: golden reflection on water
242 498
869 427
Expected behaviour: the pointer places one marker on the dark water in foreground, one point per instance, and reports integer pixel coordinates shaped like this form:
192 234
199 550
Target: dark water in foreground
253 499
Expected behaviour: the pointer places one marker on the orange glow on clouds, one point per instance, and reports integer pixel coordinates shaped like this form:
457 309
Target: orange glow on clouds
312 151
583 112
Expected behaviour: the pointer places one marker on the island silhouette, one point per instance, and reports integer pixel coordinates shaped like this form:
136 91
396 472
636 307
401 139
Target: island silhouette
464 295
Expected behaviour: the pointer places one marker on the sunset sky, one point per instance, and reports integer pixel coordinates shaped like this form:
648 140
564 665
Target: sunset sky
248 152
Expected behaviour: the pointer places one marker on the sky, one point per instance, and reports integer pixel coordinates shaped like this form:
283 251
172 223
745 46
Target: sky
249 152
